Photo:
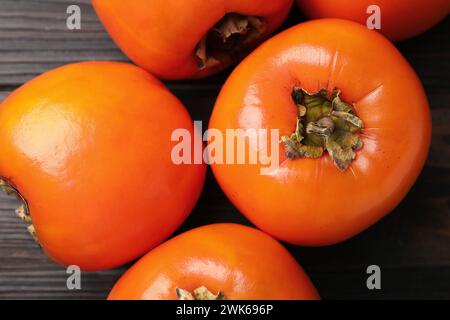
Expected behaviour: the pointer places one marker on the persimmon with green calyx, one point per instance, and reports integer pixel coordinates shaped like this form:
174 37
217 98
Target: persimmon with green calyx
87 148
353 126
324 124
216 262
176 39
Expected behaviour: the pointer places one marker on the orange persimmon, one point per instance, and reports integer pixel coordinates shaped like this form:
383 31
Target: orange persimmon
220 261
399 19
354 131
176 39
87 147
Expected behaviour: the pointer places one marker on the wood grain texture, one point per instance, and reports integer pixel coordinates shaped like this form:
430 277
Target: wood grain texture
411 245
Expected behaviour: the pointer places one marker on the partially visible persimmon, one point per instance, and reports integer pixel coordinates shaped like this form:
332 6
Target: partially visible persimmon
399 19
221 261
87 147
177 39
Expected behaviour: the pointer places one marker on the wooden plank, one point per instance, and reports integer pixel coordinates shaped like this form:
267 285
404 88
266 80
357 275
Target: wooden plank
34 38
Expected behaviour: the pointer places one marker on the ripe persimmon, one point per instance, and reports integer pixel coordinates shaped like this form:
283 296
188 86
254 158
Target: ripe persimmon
399 19
176 39
87 147
220 261
354 128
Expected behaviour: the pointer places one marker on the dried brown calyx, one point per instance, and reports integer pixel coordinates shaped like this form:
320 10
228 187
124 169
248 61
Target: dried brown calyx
201 293
23 211
324 123
231 36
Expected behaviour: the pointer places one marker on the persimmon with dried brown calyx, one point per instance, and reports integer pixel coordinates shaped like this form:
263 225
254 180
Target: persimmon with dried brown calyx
189 39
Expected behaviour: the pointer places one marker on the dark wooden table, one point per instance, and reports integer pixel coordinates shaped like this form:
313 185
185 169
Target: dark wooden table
411 245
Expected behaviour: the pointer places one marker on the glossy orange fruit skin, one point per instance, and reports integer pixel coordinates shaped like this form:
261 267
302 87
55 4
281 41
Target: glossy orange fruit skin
241 262
309 201
161 35
88 145
400 19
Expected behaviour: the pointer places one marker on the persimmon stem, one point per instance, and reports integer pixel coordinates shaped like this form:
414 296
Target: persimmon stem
201 293
230 37
23 211
324 123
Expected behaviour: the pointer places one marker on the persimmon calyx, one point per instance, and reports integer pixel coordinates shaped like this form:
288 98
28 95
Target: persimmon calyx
229 36
201 293
324 123
23 211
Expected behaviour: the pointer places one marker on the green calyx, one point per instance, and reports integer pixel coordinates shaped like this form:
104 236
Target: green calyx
201 293
23 211
324 123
